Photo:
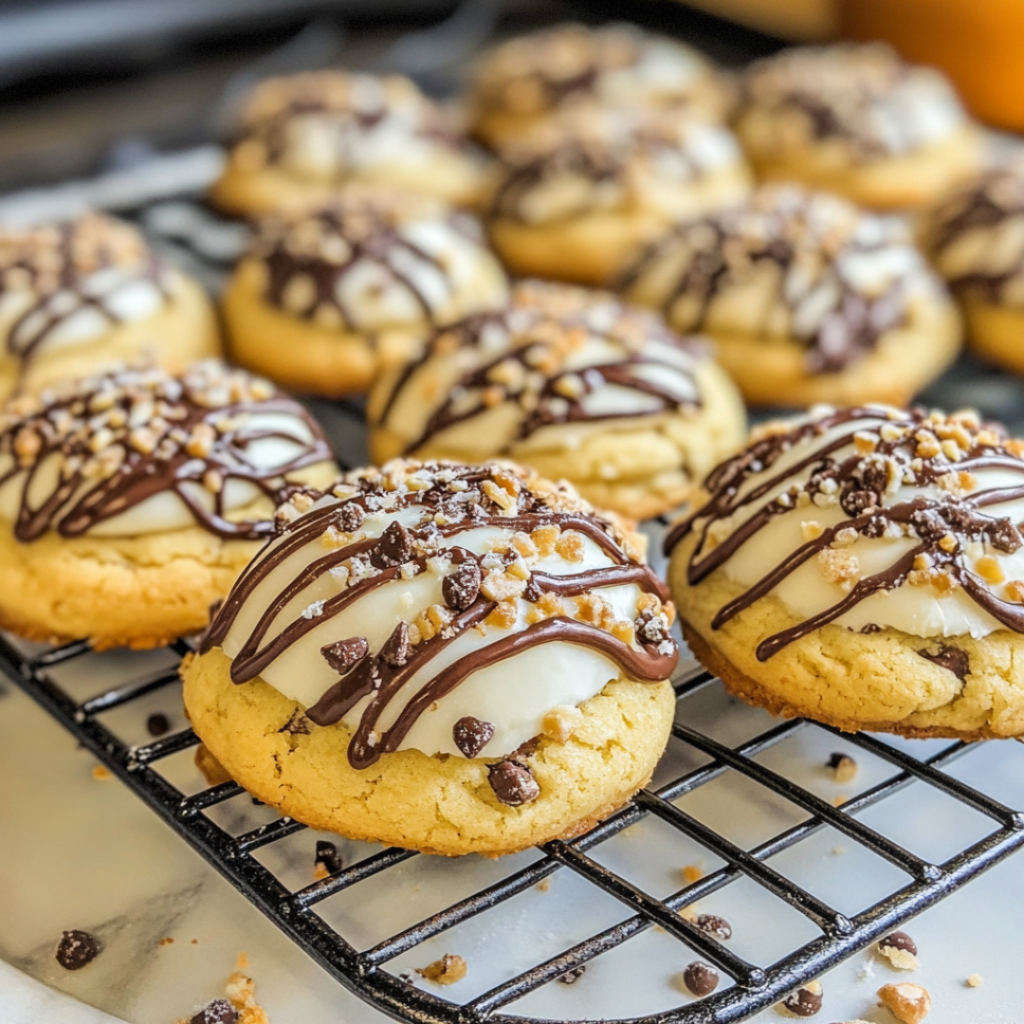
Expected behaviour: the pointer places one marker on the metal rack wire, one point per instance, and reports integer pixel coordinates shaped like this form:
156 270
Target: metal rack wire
189 233
366 973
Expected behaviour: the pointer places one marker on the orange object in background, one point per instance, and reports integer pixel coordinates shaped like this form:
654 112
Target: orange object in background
978 43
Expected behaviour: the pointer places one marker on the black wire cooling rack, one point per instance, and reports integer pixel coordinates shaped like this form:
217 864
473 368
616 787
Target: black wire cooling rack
192 235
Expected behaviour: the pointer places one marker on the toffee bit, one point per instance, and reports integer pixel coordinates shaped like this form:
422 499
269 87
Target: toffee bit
327 856
908 1003
513 783
471 735
77 949
344 655
700 978
446 971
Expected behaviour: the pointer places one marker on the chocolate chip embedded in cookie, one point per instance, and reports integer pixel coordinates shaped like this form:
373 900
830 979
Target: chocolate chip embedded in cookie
129 501
325 301
573 383
79 296
428 702
856 120
306 138
906 521
807 298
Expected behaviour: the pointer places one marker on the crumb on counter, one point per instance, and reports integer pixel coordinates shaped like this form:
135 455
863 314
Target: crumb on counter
974 981
908 1003
101 773
446 971
692 873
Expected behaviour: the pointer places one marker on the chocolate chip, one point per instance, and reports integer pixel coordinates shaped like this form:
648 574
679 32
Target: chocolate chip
842 766
471 735
344 655
804 1002
297 725
327 856
395 651
157 724
77 949
953 659
393 548
714 925
899 940
350 516
573 975
462 587
220 1011
1003 536
513 783
700 978
525 750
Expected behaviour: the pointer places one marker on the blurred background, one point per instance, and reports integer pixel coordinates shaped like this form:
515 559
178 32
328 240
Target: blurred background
94 85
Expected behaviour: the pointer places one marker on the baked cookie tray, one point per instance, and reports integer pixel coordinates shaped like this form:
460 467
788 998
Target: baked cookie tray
739 806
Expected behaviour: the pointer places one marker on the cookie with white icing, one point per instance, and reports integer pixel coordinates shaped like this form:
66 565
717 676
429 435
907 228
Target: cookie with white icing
305 138
130 501
578 199
81 295
573 383
324 301
975 238
441 657
857 120
864 567
808 299
525 81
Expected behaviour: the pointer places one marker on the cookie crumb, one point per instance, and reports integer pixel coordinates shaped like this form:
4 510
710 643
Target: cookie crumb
243 960
544 884
900 950
692 873
167 941
843 767
974 981
101 773
241 991
700 979
805 1001
446 971
573 975
76 949
838 801
907 1002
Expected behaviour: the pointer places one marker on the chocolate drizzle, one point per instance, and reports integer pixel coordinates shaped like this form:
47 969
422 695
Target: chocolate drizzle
810 240
461 499
308 260
522 355
860 464
58 266
123 437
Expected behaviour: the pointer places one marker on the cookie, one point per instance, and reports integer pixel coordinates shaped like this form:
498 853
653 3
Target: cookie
808 299
307 137
82 295
856 120
863 567
573 383
325 300
521 83
579 198
975 238
440 657
130 501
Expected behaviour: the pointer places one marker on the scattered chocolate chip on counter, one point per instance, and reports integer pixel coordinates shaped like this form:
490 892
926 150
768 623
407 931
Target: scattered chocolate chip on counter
446 971
327 856
158 724
908 1003
700 978
805 1001
714 925
843 767
77 949
220 1011
900 950
573 975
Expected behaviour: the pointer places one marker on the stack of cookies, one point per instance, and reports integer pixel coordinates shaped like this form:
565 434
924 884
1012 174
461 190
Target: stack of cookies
556 305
